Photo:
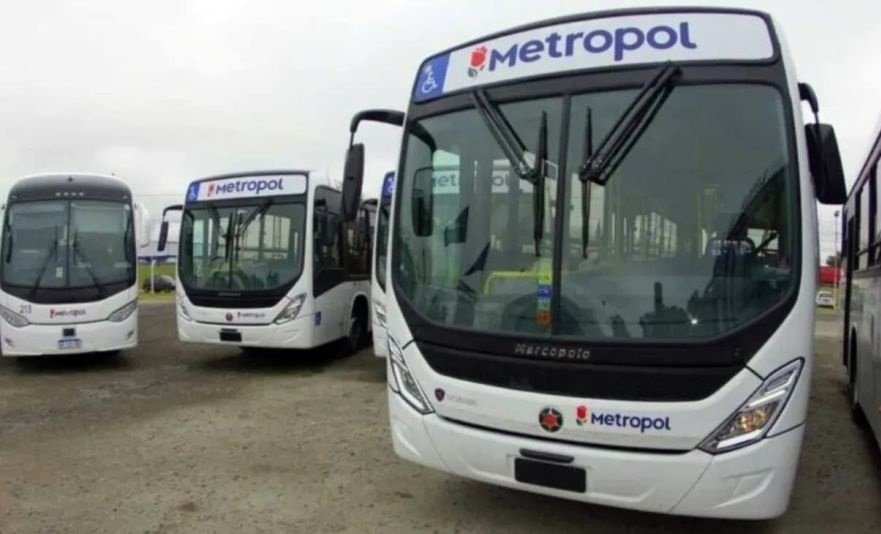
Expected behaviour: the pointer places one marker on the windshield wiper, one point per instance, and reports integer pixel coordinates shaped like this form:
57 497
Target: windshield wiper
88 265
52 254
585 184
259 212
599 166
215 216
514 150
243 225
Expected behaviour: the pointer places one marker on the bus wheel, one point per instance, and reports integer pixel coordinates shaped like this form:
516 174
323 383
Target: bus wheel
856 411
356 333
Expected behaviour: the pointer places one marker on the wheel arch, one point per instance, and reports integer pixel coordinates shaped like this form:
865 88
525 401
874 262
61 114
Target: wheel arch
360 303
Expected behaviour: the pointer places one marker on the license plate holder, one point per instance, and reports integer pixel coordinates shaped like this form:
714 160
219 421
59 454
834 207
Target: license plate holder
549 475
231 336
70 343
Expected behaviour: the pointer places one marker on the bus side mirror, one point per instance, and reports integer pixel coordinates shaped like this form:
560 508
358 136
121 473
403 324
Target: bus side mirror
163 237
423 202
825 164
163 229
353 179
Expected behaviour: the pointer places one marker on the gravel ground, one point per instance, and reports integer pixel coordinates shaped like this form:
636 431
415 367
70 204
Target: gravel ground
174 438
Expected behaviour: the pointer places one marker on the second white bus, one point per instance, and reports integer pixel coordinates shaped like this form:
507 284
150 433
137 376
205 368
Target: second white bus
266 261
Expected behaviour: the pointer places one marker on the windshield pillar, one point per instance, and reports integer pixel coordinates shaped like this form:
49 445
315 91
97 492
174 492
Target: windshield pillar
560 219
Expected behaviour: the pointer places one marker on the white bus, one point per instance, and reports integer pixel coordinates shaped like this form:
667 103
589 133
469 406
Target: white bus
68 271
626 317
861 266
378 271
265 261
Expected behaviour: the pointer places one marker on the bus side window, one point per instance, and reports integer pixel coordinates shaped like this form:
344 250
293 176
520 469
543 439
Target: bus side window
327 231
359 235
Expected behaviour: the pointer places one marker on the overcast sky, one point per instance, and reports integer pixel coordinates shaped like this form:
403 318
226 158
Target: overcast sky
162 92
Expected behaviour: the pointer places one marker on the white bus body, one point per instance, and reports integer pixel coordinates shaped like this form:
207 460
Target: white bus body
68 272
264 261
644 341
378 271
861 282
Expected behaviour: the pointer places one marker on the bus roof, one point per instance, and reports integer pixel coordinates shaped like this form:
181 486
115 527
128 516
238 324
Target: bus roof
601 40
69 185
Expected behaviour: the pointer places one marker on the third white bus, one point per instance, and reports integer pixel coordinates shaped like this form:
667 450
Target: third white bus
626 317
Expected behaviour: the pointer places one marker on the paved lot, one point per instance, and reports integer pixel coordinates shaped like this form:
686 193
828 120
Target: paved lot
173 438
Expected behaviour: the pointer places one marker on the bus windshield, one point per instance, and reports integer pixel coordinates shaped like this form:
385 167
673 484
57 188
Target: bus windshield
693 233
60 244
254 244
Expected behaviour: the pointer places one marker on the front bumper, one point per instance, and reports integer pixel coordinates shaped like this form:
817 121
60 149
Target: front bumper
296 334
40 339
751 483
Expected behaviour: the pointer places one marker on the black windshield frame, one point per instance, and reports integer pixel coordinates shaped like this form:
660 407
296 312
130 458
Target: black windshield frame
736 345
80 293
243 298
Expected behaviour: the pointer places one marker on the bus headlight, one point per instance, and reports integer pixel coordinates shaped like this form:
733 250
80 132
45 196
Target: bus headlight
123 313
757 416
379 311
290 312
13 318
402 380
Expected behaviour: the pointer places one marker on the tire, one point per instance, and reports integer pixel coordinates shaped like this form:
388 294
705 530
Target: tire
356 334
856 411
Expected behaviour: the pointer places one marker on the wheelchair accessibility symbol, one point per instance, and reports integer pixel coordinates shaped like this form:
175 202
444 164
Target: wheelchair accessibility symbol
432 77
193 193
428 82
